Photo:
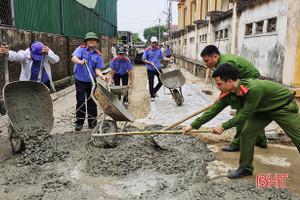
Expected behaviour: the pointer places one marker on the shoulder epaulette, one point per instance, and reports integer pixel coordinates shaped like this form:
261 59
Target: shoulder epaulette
242 90
98 52
127 59
115 58
222 95
83 46
148 48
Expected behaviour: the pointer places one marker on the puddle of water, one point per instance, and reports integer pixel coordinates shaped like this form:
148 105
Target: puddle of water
133 185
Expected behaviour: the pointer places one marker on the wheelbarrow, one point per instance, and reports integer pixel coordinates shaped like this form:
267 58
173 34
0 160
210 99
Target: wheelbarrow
112 107
120 90
28 106
173 80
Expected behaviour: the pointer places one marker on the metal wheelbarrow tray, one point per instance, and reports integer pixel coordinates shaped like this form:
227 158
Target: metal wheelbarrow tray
28 105
111 105
172 80
119 89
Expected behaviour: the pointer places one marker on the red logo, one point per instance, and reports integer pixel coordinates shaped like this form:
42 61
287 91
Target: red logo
263 180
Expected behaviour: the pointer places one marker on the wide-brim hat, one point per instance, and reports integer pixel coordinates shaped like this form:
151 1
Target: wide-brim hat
36 50
91 35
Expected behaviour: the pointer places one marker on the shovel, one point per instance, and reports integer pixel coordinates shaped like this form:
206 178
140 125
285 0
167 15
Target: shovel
150 132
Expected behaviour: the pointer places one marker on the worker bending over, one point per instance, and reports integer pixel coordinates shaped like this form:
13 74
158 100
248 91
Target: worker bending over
260 102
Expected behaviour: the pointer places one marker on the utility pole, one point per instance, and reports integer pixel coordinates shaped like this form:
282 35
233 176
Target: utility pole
169 22
159 32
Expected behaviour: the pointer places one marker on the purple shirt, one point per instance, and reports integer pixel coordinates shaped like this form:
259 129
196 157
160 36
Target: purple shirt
95 61
153 55
121 66
168 52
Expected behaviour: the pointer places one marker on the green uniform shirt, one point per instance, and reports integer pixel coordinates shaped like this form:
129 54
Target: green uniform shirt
245 68
253 95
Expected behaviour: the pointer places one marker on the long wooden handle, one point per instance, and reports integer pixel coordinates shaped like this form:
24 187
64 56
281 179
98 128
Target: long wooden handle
151 132
188 117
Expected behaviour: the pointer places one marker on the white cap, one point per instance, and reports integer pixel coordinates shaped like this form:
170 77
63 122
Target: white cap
153 39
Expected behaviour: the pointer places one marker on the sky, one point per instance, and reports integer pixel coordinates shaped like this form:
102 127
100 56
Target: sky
137 15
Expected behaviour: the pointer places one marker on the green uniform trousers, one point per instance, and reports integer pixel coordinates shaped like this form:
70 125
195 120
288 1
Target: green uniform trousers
287 118
261 137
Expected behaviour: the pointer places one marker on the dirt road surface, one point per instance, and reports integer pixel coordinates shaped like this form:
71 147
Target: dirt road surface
187 168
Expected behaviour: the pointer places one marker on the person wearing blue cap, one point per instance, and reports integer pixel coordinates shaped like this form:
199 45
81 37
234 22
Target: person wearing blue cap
151 57
90 55
30 60
121 70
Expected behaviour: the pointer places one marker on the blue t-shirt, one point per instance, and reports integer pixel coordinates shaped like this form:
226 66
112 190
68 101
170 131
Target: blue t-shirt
153 55
121 66
94 61
35 70
168 52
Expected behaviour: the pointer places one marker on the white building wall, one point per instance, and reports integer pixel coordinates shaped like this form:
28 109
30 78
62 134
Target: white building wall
265 50
202 41
191 47
223 29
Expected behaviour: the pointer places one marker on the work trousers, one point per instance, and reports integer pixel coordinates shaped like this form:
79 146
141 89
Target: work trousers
261 136
151 75
84 89
117 80
287 118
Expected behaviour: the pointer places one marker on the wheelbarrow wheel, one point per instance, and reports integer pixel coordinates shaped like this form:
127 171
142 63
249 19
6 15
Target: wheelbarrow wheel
16 142
108 126
177 97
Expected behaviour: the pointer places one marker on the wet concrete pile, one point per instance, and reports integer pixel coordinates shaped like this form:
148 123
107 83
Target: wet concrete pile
39 148
134 153
134 169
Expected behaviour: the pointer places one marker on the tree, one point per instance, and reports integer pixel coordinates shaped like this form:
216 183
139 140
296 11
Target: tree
154 31
135 37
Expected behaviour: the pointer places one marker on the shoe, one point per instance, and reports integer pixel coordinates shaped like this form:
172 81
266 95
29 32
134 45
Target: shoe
92 126
229 149
152 98
78 127
264 146
239 173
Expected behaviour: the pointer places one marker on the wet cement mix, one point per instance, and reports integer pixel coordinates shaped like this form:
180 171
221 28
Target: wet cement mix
61 168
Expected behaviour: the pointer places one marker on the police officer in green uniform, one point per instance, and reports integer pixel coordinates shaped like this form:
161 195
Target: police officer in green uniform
212 57
259 102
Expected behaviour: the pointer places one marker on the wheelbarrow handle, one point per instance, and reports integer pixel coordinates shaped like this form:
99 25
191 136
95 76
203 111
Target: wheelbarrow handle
157 70
41 67
5 66
107 85
151 132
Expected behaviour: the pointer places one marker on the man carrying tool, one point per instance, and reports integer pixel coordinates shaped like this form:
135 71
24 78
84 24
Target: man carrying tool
121 69
30 60
260 102
151 57
212 58
90 55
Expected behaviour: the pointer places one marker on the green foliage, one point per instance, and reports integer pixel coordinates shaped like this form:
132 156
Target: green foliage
135 37
154 31
119 41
